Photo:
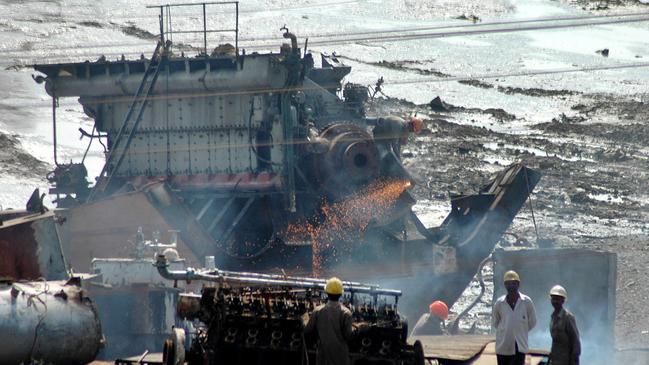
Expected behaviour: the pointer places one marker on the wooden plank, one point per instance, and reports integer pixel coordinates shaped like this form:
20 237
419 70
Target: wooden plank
460 347
488 357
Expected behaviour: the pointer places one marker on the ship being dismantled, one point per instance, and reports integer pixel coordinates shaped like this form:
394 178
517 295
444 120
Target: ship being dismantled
265 162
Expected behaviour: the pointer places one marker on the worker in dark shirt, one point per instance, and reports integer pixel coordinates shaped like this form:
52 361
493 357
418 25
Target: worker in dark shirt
394 131
431 323
566 346
333 324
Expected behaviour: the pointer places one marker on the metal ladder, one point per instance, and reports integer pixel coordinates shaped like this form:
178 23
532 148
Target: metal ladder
133 116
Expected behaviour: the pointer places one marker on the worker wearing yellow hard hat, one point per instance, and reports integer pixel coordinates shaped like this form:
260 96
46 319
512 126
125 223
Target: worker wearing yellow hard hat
333 323
511 275
334 286
513 317
566 346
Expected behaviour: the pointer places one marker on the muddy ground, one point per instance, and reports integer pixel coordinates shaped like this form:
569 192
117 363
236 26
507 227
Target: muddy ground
15 161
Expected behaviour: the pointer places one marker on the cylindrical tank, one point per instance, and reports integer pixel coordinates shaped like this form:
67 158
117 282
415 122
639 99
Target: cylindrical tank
52 322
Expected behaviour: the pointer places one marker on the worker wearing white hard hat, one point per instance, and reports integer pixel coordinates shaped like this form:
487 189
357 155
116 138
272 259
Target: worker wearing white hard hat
513 317
566 346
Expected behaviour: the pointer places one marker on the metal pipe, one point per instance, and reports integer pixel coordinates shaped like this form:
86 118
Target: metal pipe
232 277
314 280
204 31
200 31
56 162
162 29
194 4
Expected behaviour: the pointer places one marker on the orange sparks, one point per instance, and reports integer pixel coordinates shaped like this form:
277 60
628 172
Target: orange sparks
343 222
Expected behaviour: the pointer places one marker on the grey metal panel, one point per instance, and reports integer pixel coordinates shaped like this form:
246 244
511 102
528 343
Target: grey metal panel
277 150
119 111
109 116
241 155
179 161
219 152
174 113
200 152
219 105
154 117
197 112
157 153
259 106
138 157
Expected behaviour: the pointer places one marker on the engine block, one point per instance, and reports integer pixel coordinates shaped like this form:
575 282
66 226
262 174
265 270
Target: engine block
250 318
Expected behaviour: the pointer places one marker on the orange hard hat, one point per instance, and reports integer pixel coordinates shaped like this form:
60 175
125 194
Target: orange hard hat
416 124
439 309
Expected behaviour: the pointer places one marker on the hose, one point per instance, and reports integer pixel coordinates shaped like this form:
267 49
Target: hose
454 326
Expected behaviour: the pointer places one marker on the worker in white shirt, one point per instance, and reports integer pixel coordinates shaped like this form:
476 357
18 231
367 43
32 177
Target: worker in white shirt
513 317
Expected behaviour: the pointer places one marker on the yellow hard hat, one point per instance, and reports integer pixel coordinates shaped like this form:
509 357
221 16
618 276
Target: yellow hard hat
334 286
559 291
511 275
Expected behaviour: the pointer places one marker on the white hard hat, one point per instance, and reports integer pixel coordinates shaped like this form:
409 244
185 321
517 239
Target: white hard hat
559 290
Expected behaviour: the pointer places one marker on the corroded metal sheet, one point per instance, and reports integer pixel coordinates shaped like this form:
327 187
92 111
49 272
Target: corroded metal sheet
468 349
30 248
106 228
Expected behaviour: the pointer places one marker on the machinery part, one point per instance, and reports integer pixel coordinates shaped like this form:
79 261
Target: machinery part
69 178
233 278
173 352
356 96
134 116
355 93
208 159
66 180
418 349
351 161
249 319
51 321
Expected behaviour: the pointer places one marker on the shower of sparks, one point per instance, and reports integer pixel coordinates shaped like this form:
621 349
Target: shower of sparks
345 221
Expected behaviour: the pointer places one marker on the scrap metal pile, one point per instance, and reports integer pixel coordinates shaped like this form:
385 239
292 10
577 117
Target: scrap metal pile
259 318
255 161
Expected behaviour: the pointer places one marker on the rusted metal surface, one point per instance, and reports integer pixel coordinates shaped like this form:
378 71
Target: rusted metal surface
52 322
460 348
468 349
106 229
30 248
215 182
